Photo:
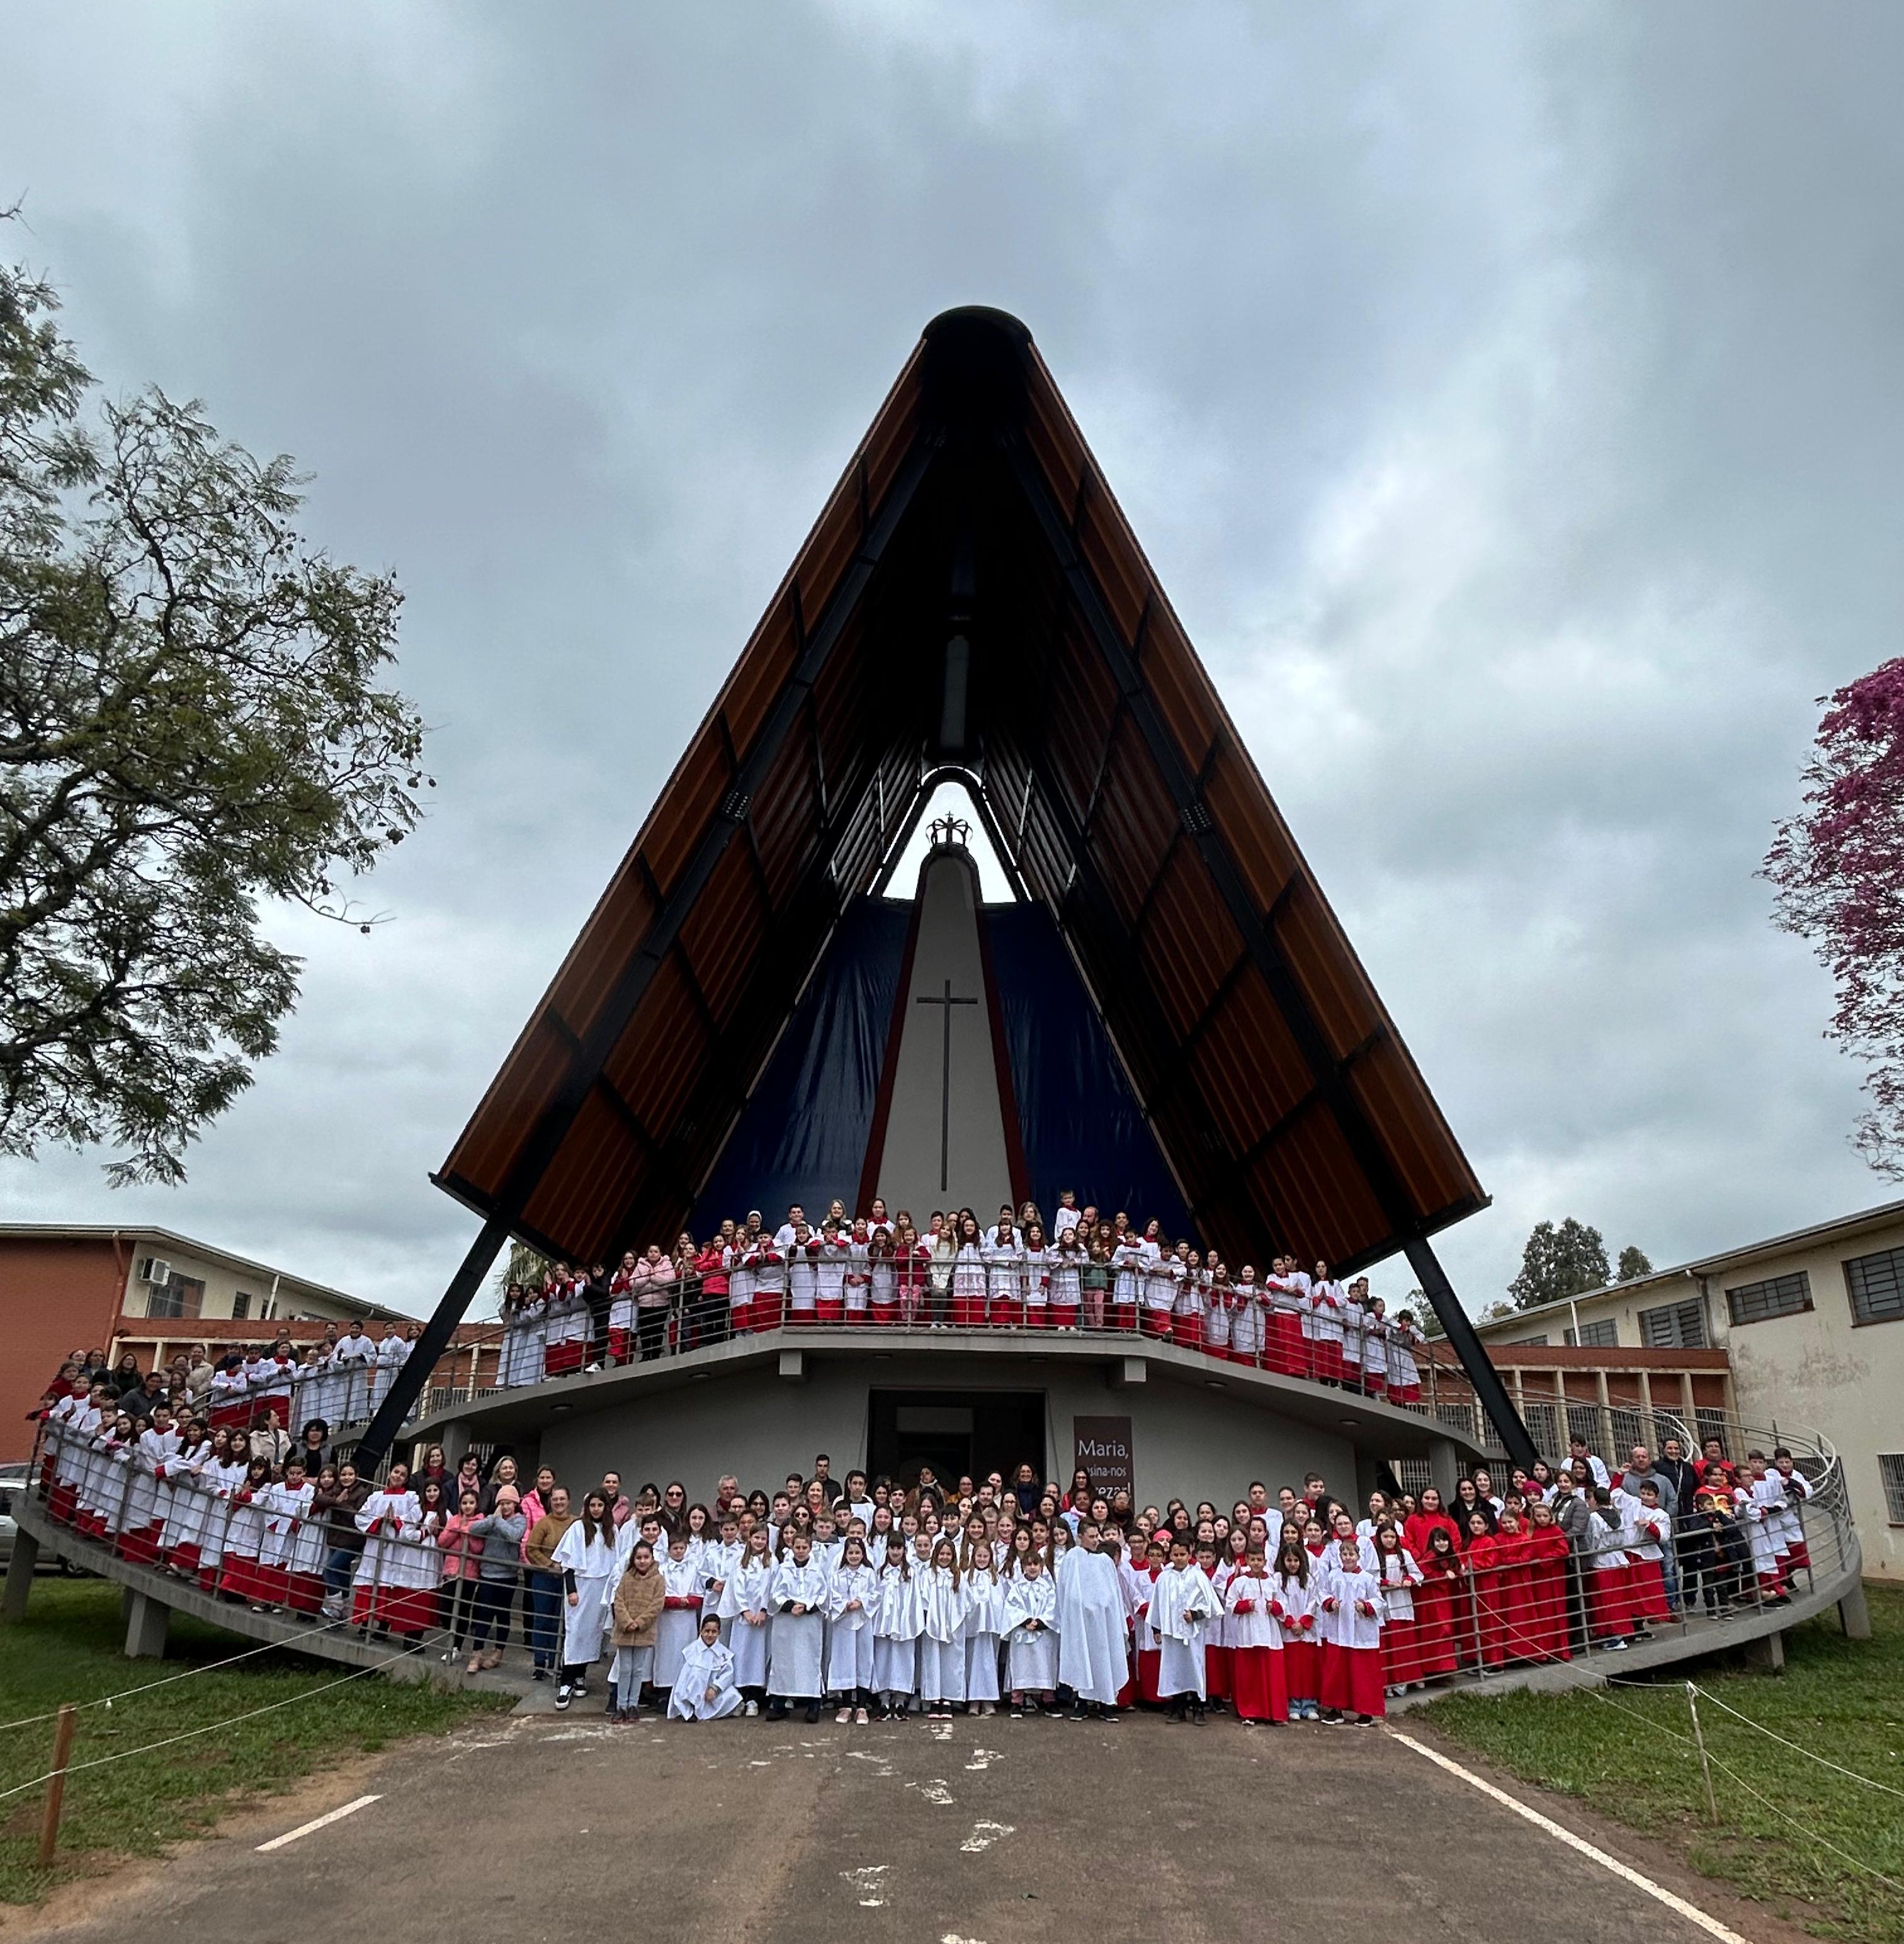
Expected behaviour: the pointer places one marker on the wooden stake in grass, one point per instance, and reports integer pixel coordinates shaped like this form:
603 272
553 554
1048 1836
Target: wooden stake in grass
1699 1742
55 1784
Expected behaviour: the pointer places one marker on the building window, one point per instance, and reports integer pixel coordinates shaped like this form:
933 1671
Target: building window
1876 1284
183 1296
1524 1342
1674 1325
241 1305
1777 1296
1595 1335
1890 1468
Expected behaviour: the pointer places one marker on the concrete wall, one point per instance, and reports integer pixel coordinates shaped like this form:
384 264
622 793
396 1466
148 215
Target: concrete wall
1189 1442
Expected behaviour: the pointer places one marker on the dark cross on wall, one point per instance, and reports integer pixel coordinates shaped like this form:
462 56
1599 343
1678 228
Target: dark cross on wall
944 1083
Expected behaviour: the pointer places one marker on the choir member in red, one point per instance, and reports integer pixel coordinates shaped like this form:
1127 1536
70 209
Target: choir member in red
1292 1601
1149 1655
1515 1562
1428 1516
1401 1576
1255 1648
1486 1565
1439 1599
1547 1550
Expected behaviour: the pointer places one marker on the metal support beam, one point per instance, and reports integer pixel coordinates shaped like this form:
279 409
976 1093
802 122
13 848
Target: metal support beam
25 1557
1468 1346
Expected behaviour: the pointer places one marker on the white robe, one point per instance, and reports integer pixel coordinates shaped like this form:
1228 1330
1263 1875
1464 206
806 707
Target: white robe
1031 1653
1182 1604
701 1668
942 1642
676 1628
749 1590
592 1561
895 1633
984 1623
1092 1658
850 1635
793 1669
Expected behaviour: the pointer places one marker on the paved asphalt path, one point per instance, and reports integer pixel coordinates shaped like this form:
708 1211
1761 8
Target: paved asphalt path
996 1832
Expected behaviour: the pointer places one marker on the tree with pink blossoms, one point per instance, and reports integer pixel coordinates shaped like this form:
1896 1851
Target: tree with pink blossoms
1838 868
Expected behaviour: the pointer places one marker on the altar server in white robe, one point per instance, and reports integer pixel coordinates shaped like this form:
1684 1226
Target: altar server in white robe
942 1639
984 1625
896 1632
704 1690
746 1605
1093 1661
1182 1604
681 1610
853 1599
1031 1637
585 1556
798 1594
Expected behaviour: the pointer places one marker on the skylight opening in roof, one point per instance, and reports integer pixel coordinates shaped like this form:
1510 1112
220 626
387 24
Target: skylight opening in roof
950 799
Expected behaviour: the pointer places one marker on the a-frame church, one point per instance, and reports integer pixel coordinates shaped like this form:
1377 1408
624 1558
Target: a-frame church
1168 1018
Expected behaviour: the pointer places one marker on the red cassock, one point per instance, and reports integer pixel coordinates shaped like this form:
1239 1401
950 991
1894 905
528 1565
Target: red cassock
1522 1639
1216 1673
1440 1595
1187 1330
1547 1552
1303 1667
1257 1684
1607 1604
1352 1679
1646 1590
1487 1562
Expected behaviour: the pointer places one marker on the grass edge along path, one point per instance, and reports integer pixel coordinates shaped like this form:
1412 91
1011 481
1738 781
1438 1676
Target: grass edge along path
69 1648
1627 1752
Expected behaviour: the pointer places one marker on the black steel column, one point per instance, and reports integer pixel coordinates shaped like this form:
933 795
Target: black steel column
1468 1347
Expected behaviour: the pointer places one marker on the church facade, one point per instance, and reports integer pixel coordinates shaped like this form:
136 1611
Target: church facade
1167 1018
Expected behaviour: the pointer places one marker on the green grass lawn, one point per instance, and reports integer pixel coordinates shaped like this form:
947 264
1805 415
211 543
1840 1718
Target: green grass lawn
70 1648
1844 1700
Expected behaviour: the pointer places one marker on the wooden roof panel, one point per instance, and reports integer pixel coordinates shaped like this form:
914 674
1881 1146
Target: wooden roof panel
1290 1100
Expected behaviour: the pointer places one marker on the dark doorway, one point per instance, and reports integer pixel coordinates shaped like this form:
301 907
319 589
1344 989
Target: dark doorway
956 1432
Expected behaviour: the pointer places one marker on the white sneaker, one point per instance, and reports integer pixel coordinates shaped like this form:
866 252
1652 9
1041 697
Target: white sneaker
859 1717
844 1714
1619 1646
752 1709
561 1697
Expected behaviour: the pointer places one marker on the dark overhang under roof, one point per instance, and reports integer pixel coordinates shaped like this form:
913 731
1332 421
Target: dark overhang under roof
1114 785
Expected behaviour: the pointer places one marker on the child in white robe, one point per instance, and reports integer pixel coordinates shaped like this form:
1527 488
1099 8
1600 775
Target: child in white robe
681 1609
853 1599
942 1643
798 1595
895 1633
746 1605
1182 1604
1031 1638
585 1556
1093 1658
984 1623
704 1690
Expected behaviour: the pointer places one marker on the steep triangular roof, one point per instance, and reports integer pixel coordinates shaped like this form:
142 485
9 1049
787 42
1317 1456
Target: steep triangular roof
1115 787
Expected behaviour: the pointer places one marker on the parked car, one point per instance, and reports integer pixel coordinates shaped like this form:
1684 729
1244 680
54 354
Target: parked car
13 1482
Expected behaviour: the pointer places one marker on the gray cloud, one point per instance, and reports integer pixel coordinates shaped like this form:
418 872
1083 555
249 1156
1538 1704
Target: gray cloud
1509 400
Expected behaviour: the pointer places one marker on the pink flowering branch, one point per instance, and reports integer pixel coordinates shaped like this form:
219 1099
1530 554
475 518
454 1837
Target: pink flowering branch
1838 869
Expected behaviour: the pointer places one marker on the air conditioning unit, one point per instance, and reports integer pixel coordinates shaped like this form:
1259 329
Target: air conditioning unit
155 1269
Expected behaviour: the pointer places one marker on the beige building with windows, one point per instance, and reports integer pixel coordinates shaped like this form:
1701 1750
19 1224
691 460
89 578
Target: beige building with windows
1812 1326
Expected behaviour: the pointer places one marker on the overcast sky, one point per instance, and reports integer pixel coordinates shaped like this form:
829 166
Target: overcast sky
1508 397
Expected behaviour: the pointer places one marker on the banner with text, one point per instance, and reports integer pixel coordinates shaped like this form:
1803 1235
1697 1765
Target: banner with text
1104 1452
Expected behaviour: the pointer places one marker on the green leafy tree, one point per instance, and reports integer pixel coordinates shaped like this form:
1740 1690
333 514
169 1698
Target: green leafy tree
1634 1262
194 724
1559 1262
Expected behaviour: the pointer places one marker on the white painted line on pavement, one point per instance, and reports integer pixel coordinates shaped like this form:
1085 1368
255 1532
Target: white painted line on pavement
1690 1911
320 1822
